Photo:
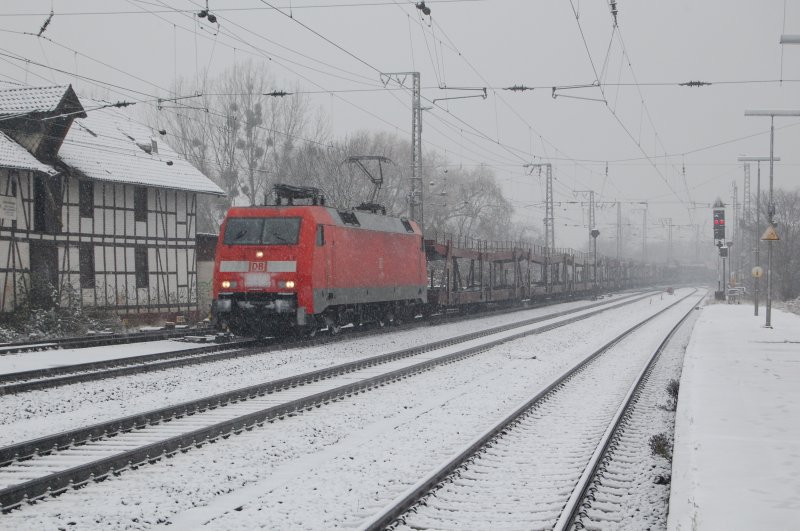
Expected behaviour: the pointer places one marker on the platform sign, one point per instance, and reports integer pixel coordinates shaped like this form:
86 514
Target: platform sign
770 234
757 272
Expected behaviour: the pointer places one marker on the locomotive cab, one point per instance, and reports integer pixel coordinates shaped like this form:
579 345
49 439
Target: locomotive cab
262 278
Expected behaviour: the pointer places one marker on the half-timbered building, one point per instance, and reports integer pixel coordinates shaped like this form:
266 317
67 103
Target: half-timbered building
94 205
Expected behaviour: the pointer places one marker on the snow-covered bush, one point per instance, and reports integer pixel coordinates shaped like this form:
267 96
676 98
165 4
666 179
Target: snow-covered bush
673 387
792 305
53 313
661 445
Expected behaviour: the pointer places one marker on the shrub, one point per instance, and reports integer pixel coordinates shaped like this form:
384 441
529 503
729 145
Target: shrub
673 387
660 445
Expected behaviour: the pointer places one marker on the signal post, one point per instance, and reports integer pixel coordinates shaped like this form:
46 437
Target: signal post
719 240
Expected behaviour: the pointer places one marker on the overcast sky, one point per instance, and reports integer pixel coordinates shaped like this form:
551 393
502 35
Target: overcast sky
646 131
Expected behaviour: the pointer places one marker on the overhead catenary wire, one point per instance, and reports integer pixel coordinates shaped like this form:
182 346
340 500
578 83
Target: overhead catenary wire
612 111
477 161
545 142
122 88
657 162
350 103
337 5
380 72
585 161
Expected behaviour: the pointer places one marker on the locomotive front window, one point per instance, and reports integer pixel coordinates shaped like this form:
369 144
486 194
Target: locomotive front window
262 231
243 231
280 231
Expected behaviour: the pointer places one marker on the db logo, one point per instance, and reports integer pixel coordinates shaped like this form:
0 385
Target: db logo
258 267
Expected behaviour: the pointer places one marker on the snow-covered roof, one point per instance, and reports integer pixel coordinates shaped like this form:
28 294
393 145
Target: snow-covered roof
109 145
12 155
26 100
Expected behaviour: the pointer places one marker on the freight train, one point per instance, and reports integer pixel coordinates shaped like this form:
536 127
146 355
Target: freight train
300 266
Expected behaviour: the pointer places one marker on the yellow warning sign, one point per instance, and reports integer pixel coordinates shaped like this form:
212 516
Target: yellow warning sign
770 234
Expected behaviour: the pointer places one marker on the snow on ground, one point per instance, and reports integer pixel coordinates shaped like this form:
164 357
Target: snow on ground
251 480
510 486
736 462
37 413
29 361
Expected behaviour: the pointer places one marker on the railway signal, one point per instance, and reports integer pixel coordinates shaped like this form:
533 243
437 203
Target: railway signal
719 224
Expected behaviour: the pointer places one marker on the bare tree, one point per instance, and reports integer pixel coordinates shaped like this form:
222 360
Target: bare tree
786 251
246 137
786 257
470 204
237 135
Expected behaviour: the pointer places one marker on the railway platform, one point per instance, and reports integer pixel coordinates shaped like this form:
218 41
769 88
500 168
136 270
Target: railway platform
736 458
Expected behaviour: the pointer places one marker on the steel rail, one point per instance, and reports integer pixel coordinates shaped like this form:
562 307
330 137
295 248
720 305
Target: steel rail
18 382
54 483
39 379
574 504
406 501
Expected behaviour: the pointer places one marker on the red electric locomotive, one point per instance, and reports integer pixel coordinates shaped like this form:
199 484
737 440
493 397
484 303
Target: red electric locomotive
293 267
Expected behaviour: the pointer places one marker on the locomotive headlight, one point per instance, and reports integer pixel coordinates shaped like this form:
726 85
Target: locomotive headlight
290 283
227 284
286 284
259 254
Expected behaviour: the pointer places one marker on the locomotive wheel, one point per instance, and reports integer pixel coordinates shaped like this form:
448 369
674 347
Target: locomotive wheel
387 319
311 328
333 327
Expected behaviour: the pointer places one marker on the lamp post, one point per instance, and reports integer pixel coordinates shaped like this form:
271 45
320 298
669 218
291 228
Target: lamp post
756 280
771 208
594 233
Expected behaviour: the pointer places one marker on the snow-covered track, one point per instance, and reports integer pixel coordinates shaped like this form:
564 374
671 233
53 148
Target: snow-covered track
24 381
96 340
51 464
463 491
19 382
580 500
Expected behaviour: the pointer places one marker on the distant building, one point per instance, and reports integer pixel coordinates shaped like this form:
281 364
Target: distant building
93 205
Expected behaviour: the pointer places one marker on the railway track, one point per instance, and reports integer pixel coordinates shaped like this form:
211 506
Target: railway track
52 464
95 340
19 382
24 381
517 474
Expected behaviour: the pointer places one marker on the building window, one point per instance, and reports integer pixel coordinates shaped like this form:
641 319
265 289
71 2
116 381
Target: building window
142 269
86 259
140 203
86 198
47 204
